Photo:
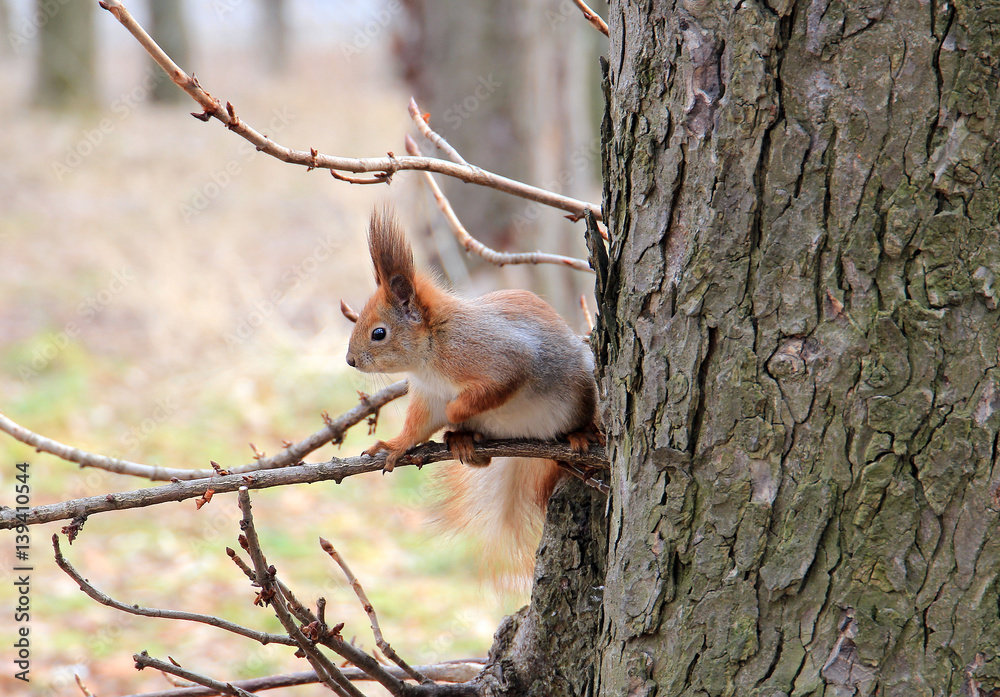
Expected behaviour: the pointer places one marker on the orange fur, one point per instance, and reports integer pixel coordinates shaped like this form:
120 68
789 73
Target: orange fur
390 252
503 365
501 508
415 432
478 398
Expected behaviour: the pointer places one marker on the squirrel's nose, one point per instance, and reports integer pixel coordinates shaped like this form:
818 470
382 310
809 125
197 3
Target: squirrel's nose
350 360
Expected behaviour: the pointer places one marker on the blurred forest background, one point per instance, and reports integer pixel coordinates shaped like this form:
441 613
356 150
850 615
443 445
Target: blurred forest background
168 295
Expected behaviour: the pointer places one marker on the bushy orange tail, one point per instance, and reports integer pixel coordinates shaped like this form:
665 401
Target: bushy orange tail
501 508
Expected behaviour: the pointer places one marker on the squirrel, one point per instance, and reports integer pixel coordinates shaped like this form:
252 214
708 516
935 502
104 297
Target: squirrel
502 365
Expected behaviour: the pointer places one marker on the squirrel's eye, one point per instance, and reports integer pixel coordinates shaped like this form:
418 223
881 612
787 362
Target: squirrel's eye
378 333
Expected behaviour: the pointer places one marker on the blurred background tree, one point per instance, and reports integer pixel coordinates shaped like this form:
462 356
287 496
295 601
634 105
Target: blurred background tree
66 66
273 32
168 23
5 45
515 87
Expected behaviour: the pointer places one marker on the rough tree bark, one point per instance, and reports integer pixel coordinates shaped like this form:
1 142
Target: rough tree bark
799 351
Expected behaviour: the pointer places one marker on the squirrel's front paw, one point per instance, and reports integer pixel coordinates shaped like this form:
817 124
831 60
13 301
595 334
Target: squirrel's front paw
379 446
390 460
462 446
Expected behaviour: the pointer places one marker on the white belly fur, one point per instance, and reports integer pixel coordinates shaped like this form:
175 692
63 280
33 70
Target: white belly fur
527 415
524 416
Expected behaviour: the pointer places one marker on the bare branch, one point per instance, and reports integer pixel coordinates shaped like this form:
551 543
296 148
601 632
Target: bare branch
325 668
380 641
349 312
104 599
144 660
378 178
586 475
335 469
452 672
332 433
83 688
592 17
473 245
313 160
587 317
332 639
425 130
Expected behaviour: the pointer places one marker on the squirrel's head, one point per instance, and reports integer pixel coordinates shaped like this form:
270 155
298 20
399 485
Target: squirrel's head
391 334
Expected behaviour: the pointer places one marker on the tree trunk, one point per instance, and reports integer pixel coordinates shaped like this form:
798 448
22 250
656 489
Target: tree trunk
799 349
274 35
8 39
67 55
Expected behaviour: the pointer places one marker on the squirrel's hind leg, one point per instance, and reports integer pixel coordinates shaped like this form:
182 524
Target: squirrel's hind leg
462 446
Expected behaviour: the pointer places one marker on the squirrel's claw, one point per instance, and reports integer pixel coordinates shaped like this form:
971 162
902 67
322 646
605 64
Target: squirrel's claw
391 459
580 441
462 446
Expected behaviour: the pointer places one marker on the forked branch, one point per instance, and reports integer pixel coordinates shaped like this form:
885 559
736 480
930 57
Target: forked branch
369 609
315 633
386 166
474 246
305 631
144 660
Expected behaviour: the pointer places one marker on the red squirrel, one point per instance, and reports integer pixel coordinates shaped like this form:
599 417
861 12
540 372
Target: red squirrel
502 365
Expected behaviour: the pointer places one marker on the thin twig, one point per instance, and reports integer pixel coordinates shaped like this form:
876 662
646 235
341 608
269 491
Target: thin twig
587 317
144 660
380 641
104 599
592 17
433 136
83 688
451 672
333 432
389 165
378 178
285 604
585 475
335 469
325 668
473 245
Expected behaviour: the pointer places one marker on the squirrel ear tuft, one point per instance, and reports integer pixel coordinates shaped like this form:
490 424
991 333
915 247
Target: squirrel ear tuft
389 249
405 295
